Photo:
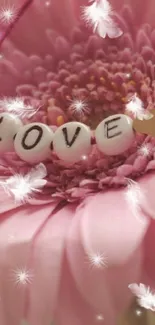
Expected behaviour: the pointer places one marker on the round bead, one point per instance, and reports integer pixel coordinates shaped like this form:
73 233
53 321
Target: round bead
9 126
72 142
33 142
115 134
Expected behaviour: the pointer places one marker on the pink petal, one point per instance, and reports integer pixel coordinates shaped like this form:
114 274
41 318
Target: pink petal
105 289
147 184
109 223
149 260
46 255
71 307
7 203
18 227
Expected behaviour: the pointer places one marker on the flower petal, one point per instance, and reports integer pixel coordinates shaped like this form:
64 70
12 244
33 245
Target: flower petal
149 260
109 223
106 289
71 307
47 254
147 183
7 203
92 285
18 227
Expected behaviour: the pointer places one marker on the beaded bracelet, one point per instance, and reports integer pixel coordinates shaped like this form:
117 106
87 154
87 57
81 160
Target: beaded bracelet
71 142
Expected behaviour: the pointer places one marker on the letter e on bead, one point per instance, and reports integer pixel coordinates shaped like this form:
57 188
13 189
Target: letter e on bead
115 134
108 127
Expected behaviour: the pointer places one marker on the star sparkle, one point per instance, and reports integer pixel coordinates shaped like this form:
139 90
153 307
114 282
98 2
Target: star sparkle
145 150
22 276
8 14
98 260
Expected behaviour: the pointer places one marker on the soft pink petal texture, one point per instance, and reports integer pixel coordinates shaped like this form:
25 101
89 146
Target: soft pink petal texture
149 259
72 308
104 224
32 30
46 261
109 224
105 289
147 185
10 205
88 281
17 229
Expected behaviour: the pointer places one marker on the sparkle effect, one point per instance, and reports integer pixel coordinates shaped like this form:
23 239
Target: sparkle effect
79 107
7 15
99 318
22 276
22 187
138 312
98 260
134 196
18 107
145 150
98 15
47 3
145 297
136 107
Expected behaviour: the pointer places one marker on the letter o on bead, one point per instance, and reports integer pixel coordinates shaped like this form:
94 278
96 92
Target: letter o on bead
9 126
115 134
72 142
32 142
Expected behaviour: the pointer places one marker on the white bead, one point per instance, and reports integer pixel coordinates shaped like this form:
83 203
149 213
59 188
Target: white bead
72 142
115 134
9 126
33 142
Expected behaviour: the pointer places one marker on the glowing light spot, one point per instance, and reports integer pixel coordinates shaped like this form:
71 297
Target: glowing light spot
145 150
98 260
99 318
79 107
7 15
84 157
47 3
128 75
22 276
99 16
138 312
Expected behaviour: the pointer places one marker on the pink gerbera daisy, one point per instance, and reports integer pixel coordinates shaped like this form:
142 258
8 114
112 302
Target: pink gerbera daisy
75 238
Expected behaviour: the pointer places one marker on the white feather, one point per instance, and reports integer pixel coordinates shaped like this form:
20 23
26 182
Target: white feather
17 106
22 187
136 107
145 297
98 15
138 290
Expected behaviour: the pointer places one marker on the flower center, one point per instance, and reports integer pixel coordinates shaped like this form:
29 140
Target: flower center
86 80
